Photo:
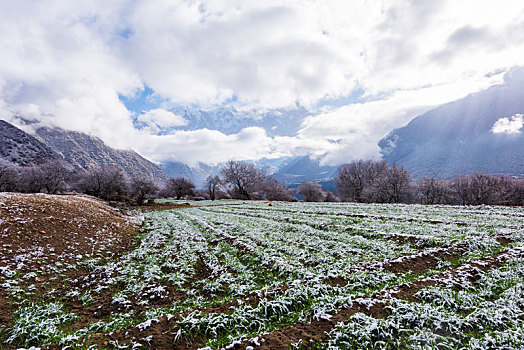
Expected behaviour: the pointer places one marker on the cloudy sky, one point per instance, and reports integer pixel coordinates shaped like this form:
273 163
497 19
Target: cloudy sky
360 67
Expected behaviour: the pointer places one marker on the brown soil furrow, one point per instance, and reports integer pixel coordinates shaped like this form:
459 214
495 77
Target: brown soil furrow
469 271
416 263
163 329
315 331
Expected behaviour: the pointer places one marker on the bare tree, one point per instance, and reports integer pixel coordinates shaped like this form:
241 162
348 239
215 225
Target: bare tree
201 194
516 192
468 189
140 188
55 176
212 183
104 182
330 197
481 188
51 177
243 177
353 178
179 187
30 179
275 191
8 176
311 191
434 191
389 186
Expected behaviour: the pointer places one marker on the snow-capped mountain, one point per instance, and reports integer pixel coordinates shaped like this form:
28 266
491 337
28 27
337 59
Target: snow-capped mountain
276 122
481 132
20 148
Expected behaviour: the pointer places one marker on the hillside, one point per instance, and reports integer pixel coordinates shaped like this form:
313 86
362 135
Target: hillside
458 137
290 170
197 174
18 147
298 169
44 234
87 152
81 151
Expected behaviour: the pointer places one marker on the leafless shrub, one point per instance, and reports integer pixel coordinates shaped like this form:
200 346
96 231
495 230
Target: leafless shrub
202 194
330 197
311 191
275 191
9 176
141 188
178 187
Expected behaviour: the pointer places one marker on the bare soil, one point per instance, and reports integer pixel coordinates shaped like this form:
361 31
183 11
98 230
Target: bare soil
420 263
59 229
42 234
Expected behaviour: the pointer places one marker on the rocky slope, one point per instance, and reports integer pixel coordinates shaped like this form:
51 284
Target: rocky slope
18 147
87 152
81 151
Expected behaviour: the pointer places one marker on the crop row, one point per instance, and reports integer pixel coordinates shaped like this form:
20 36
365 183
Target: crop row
220 274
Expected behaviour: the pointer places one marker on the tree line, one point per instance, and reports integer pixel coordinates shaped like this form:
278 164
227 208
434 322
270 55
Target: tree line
358 181
238 180
376 182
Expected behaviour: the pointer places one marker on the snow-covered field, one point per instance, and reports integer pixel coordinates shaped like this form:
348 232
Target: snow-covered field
241 275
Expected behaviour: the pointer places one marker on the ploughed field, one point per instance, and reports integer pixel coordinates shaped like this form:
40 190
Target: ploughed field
260 275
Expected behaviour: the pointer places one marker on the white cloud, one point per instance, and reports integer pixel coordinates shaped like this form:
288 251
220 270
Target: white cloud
206 145
66 64
158 119
509 126
213 147
359 127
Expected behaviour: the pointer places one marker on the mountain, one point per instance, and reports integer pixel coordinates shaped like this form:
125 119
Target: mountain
18 147
290 170
198 174
277 122
298 169
87 152
459 137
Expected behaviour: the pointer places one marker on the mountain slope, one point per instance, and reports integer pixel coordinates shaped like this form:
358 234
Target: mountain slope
299 169
458 137
86 152
18 147
291 171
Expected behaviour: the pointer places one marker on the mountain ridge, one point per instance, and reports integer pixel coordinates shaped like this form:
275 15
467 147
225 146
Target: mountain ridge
81 151
21 148
87 152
